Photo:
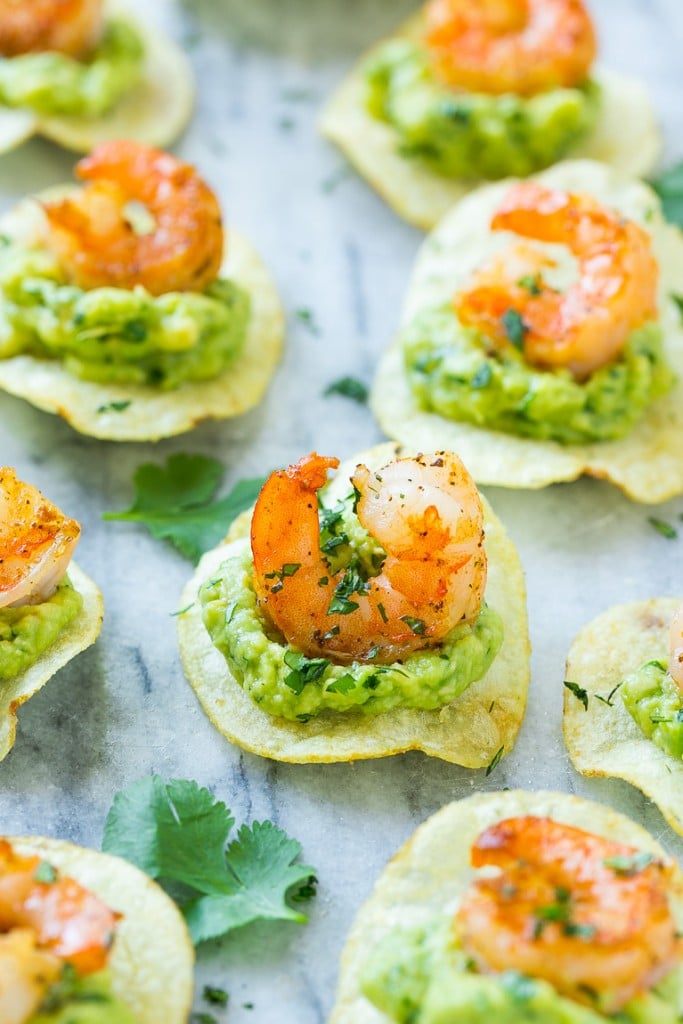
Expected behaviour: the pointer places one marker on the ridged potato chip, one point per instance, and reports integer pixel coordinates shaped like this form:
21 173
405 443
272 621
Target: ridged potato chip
602 738
152 958
155 111
478 725
428 876
127 412
648 462
625 136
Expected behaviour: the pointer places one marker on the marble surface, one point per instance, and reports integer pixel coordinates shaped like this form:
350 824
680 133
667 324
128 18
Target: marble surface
123 708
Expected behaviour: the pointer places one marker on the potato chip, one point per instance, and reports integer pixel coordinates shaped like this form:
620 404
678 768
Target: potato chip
648 462
155 111
152 958
625 136
479 725
428 876
126 412
602 738
80 633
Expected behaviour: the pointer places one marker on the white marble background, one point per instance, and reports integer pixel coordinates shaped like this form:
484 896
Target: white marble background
123 708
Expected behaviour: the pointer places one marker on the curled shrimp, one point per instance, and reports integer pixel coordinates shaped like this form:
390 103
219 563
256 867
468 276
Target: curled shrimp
66 919
66 26
518 46
426 514
579 911
586 326
676 648
143 218
36 542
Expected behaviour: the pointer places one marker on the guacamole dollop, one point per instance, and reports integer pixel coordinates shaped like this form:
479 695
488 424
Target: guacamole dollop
451 370
422 976
54 83
125 336
473 135
655 703
286 684
28 630
82 1000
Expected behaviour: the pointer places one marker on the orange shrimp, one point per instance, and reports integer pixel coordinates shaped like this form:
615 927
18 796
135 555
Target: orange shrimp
586 326
33 26
510 46
179 247
582 912
676 648
425 512
36 542
67 919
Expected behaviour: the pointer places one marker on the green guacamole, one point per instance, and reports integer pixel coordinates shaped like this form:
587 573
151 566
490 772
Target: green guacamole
54 83
83 1000
27 631
451 371
287 685
655 704
421 976
473 135
119 335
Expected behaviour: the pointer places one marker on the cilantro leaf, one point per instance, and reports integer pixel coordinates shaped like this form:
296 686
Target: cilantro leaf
177 832
661 526
349 387
578 692
669 187
514 327
174 502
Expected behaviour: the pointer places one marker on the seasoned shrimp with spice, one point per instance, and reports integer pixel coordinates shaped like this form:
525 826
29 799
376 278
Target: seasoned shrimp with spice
585 327
47 920
143 218
65 26
426 514
587 914
510 46
36 542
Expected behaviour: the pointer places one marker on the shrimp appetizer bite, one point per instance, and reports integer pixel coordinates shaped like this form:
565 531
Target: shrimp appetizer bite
347 619
540 338
50 611
126 308
86 938
82 71
466 92
623 712
574 918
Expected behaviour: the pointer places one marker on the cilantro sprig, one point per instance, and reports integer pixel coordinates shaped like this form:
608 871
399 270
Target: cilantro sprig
175 502
669 187
349 387
179 833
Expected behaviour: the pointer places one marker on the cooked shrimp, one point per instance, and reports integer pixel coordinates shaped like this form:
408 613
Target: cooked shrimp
517 46
32 26
178 244
67 920
579 911
36 542
425 512
676 648
26 973
585 327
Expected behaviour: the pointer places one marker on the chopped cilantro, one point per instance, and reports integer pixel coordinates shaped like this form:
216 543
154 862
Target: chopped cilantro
215 996
45 873
518 986
306 317
661 526
304 670
626 866
578 692
178 833
608 699
114 406
417 626
349 387
175 503
201 1017
496 758
382 611
482 378
531 283
514 327
669 187
351 583
344 684
181 611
